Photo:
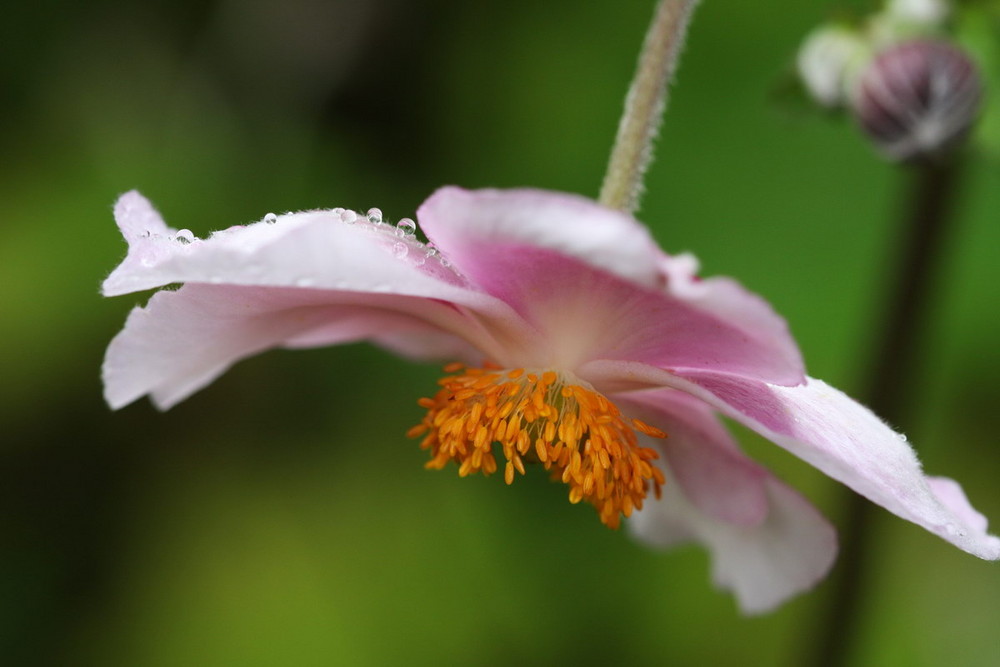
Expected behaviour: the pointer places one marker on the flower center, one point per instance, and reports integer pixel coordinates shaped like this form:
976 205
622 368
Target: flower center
573 431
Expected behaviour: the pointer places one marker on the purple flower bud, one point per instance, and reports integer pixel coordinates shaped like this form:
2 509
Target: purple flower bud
917 98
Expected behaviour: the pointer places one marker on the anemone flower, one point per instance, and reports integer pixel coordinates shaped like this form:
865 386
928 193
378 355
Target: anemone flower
576 345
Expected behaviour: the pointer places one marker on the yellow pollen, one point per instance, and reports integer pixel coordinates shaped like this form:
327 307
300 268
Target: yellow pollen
573 431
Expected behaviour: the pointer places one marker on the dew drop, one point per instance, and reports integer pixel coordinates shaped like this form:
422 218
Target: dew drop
954 530
420 260
407 227
375 215
431 252
337 211
184 236
902 437
270 218
400 250
349 216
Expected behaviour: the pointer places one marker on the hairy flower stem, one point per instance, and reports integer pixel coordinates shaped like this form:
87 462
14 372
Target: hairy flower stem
888 386
644 105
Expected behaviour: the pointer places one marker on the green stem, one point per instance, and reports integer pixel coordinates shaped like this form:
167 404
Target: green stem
644 105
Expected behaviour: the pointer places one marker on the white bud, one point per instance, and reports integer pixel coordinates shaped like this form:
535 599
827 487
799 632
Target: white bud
828 61
932 12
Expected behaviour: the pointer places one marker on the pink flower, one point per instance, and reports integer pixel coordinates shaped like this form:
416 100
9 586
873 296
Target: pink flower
579 344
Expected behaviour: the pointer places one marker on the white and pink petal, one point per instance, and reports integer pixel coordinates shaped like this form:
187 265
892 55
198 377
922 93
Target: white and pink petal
585 314
316 249
182 340
766 542
464 223
827 429
847 442
714 475
592 281
731 303
763 564
296 280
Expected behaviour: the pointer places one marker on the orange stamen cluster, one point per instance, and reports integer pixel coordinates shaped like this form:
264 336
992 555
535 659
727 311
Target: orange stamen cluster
571 430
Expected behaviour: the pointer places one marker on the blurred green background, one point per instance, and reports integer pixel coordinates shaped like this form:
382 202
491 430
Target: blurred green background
280 517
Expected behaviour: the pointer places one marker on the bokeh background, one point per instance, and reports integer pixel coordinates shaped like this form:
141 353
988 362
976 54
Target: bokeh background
280 517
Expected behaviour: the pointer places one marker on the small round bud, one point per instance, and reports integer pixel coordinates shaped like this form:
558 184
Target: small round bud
930 12
827 60
917 98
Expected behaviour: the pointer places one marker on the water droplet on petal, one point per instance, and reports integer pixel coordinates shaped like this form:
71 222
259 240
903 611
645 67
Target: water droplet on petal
431 252
349 216
400 250
270 218
375 215
419 260
902 437
954 530
337 211
184 236
407 227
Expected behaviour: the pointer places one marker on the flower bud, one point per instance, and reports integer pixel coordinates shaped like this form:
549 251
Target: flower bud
917 98
931 12
827 60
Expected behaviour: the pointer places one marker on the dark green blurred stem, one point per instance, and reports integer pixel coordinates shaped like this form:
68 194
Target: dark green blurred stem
888 389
